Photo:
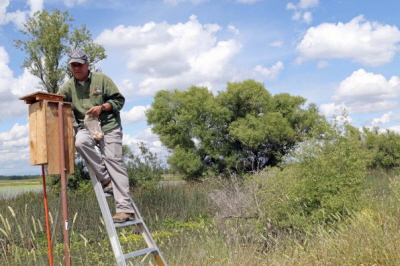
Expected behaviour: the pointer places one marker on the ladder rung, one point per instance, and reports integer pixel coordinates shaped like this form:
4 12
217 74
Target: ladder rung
139 252
137 221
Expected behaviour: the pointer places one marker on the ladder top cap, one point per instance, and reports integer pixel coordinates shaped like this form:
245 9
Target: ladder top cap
40 96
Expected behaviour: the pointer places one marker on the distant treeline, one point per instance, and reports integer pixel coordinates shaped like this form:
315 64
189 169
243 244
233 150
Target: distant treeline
19 177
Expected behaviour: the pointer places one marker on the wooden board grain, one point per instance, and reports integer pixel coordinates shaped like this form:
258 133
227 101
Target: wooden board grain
37 134
44 136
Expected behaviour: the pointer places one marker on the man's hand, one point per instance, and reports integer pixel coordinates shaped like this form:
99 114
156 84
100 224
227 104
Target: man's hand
95 110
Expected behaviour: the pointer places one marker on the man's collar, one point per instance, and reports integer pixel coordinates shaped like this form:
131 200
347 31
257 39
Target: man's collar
88 79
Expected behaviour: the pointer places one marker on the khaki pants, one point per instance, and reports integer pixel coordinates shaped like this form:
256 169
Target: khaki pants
107 164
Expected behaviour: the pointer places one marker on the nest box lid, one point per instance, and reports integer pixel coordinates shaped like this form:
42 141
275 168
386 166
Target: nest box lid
40 96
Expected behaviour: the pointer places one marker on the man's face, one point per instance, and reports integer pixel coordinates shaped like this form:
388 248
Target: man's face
80 71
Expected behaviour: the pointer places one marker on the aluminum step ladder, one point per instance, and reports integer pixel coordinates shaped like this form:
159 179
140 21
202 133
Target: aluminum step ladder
112 231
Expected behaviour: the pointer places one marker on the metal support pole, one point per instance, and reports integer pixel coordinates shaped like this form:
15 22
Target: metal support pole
56 221
63 185
46 211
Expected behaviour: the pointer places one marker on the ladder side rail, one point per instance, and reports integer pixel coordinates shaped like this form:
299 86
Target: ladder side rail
143 228
147 236
105 211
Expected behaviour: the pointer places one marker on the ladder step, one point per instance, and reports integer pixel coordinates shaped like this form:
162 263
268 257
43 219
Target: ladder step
137 221
113 234
139 252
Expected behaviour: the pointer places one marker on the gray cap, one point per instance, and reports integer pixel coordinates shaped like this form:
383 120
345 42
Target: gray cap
77 56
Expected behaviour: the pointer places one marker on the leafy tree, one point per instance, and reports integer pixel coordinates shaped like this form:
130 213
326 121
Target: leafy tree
242 129
50 36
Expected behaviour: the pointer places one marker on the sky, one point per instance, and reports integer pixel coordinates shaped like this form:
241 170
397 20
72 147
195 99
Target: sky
342 55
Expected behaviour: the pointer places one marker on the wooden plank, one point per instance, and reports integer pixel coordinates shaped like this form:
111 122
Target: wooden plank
49 97
40 96
37 136
52 138
69 139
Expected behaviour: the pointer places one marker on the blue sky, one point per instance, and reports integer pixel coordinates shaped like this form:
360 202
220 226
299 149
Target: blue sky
339 54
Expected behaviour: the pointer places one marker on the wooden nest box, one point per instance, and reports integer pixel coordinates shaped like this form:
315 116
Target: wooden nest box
44 132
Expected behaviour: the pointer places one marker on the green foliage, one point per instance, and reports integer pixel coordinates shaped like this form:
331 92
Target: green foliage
384 148
79 180
186 161
49 39
82 39
242 129
321 182
143 169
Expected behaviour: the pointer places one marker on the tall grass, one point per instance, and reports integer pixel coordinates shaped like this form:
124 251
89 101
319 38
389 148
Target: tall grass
188 230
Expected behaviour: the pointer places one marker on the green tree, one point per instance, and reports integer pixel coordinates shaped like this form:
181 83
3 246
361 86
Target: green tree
50 36
242 129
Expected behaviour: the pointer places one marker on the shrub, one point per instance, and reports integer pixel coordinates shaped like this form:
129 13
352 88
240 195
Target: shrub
321 182
384 147
143 169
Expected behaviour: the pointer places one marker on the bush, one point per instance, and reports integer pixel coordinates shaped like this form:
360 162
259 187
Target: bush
321 183
143 169
384 147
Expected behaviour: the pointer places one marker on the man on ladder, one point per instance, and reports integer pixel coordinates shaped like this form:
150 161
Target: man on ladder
96 94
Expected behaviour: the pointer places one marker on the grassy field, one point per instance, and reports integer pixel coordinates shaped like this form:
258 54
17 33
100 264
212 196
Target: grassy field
188 229
12 188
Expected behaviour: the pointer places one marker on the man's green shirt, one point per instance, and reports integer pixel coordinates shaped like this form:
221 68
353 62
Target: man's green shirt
96 90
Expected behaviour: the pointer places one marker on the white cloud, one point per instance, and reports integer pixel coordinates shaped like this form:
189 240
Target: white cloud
364 92
174 56
14 150
233 29
72 3
300 13
151 141
127 88
136 114
247 1
291 6
307 17
337 112
303 4
270 73
322 64
367 92
330 110
369 43
386 118
18 17
12 137
35 5
175 2
12 88
395 129
276 44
